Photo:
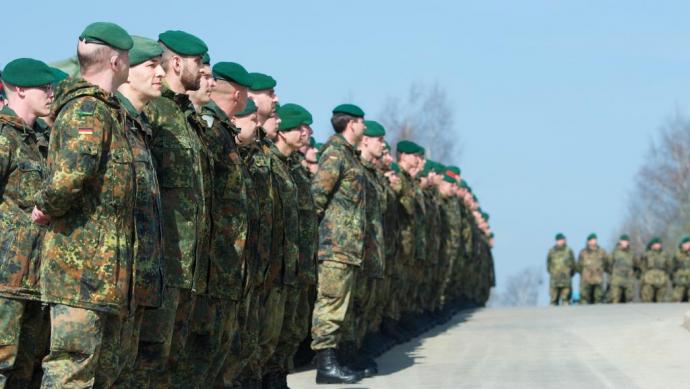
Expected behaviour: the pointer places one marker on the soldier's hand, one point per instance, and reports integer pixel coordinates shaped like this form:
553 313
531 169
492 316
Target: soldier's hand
39 217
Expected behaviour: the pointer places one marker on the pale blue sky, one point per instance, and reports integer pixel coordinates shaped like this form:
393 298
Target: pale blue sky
555 101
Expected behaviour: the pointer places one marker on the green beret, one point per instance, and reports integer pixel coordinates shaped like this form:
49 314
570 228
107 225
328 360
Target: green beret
248 110
463 185
143 50
387 145
395 167
654 240
475 198
27 72
454 169
290 118
374 129
591 236
450 179
409 147
260 81
560 236
625 237
58 74
183 43
307 119
312 142
206 59
349 109
686 239
109 34
491 235
232 72
485 216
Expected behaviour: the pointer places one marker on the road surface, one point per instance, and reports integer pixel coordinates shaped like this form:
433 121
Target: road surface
602 346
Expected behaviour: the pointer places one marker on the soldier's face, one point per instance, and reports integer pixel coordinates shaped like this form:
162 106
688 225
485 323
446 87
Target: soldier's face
592 243
247 125
39 99
685 246
292 138
206 85
374 146
191 73
624 244
304 134
120 67
656 247
146 78
387 158
271 126
265 101
560 242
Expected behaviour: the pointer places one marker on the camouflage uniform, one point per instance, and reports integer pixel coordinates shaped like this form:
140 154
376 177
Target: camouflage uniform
449 245
299 306
621 266
184 176
681 276
86 267
148 245
655 281
416 270
591 266
433 246
560 263
23 321
391 238
408 231
286 280
229 216
339 196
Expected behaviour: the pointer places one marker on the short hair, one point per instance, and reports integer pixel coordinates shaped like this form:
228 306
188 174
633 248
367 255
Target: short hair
94 56
340 120
166 56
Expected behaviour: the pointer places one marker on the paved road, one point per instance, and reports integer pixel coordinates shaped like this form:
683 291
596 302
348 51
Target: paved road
605 346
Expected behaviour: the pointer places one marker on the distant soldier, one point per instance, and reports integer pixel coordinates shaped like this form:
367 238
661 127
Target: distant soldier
681 271
560 264
590 265
621 266
655 266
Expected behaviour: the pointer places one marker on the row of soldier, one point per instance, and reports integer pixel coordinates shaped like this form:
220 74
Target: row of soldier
614 277
166 223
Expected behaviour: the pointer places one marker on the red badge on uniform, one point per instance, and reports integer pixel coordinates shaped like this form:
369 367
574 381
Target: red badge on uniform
86 131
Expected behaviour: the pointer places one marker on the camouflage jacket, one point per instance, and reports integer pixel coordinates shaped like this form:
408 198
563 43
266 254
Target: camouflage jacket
656 267
148 212
23 151
391 230
591 264
433 223
373 263
622 265
451 233
286 206
681 268
229 209
560 263
89 195
407 219
184 175
257 158
338 188
308 224
421 223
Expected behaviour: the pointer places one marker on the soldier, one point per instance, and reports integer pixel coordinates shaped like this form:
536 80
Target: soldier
590 264
560 263
88 202
622 266
23 148
293 134
338 189
656 267
681 271
184 176
143 84
230 218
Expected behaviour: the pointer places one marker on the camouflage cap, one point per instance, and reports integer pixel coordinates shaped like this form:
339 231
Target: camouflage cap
109 34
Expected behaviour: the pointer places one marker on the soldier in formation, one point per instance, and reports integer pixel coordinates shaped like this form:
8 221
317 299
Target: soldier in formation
167 224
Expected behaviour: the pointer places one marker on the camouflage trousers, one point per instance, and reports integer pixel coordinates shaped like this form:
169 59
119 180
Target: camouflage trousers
364 305
271 316
621 293
680 293
336 283
24 335
650 293
391 308
560 295
295 328
248 326
162 340
85 348
591 293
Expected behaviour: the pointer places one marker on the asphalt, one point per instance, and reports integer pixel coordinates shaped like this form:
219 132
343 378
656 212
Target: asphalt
603 346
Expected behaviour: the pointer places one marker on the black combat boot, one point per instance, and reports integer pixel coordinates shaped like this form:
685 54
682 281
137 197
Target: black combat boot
329 371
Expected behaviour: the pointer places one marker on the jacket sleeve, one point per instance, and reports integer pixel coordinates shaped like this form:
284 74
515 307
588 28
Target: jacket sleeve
325 180
79 133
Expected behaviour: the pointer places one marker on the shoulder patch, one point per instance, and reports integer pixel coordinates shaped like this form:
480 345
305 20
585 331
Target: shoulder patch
87 108
208 119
